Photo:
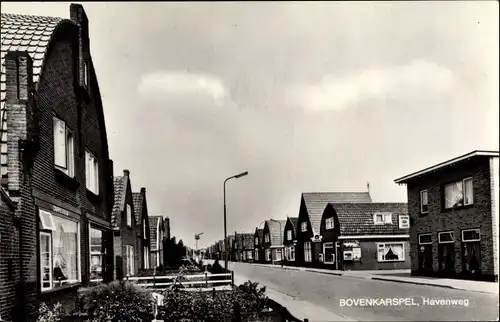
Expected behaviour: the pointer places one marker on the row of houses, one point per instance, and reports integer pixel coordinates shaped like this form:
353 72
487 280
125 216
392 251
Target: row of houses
448 228
65 220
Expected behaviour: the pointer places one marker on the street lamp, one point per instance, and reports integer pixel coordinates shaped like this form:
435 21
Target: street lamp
281 238
225 226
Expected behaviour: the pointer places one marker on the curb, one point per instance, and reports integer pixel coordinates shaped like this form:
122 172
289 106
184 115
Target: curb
412 282
323 272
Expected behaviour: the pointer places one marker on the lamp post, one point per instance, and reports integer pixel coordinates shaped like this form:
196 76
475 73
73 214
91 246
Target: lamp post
281 238
225 224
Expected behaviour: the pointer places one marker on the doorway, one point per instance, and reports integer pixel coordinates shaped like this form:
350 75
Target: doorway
446 241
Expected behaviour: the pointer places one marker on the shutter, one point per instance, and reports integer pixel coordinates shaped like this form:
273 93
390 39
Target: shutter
60 158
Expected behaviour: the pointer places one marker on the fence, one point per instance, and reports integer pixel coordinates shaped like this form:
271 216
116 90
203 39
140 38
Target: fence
184 281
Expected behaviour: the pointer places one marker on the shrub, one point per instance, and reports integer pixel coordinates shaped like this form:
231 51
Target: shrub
47 314
117 301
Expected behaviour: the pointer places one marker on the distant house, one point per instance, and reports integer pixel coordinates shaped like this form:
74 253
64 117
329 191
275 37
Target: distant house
258 245
55 169
454 209
142 220
247 249
231 248
365 236
238 246
312 205
157 235
273 241
290 239
128 255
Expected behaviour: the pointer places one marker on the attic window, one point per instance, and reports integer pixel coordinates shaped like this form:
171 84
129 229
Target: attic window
303 226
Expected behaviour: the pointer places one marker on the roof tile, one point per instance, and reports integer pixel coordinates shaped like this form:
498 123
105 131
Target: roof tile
316 203
276 228
137 198
119 186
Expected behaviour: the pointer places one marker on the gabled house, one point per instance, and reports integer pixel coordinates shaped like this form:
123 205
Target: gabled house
258 241
273 241
365 236
156 239
238 246
231 248
312 205
247 247
142 220
128 254
454 210
290 239
54 160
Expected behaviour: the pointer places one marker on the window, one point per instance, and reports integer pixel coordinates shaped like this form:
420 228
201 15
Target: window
446 237
390 252
85 73
92 172
130 259
256 240
328 253
128 215
378 219
307 252
59 251
267 238
424 202
329 223
381 218
289 234
425 239
97 254
144 228
291 253
458 194
277 255
64 158
470 235
388 218
404 221
146 257
268 254
303 226
249 254
256 254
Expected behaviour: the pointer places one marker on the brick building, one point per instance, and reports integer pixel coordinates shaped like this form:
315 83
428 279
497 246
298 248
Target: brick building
55 165
365 236
273 241
156 240
258 240
312 206
453 208
142 220
290 239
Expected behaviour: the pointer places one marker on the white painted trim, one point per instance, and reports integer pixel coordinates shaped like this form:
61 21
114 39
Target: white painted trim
426 234
324 247
421 204
393 260
471 240
374 236
50 260
447 163
446 232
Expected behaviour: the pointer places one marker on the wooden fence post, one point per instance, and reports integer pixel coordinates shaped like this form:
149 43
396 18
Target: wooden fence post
206 279
232 277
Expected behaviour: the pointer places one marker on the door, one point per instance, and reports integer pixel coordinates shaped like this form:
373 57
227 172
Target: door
425 258
446 259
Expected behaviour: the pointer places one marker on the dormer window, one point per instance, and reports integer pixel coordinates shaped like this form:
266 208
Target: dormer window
303 226
382 218
289 234
329 223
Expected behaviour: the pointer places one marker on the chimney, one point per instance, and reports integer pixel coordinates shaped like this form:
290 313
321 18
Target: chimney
126 173
368 186
143 190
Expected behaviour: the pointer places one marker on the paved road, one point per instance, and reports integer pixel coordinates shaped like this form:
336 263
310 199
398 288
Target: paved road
328 290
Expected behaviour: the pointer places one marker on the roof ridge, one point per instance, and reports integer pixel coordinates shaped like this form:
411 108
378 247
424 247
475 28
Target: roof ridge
15 15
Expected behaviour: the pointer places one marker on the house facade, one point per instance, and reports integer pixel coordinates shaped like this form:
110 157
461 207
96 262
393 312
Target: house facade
365 236
312 206
157 236
258 241
126 229
142 220
453 208
273 241
55 168
231 248
247 247
238 246
290 240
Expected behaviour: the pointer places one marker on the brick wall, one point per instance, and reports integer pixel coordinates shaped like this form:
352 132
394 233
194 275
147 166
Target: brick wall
495 205
477 216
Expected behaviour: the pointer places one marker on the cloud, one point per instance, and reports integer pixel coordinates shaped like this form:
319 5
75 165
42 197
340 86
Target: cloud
417 78
182 83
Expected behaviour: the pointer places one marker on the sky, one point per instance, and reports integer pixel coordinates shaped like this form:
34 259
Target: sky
306 97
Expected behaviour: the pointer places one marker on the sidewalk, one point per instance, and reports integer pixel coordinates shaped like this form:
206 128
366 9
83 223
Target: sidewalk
402 276
298 308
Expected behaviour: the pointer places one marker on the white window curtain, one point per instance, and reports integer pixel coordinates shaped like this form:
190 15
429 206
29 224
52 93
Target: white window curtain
454 194
60 156
256 254
65 252
307 252
391 252
96 254
303 226
289 235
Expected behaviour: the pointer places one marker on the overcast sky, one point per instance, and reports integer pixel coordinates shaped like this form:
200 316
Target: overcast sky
321 96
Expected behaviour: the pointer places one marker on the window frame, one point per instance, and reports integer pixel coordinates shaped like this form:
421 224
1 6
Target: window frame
130 257
383 246
289 234
324 253
422 211
424 243
86 73
375 221
128 215
268 254
291 251
267 238
462 182
303 226
331 221
446 232
256 240
69 148
43 231
102 230
401 218
91 172
308 258
471 240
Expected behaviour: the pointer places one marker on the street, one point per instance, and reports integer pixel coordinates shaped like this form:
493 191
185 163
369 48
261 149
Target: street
329 291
